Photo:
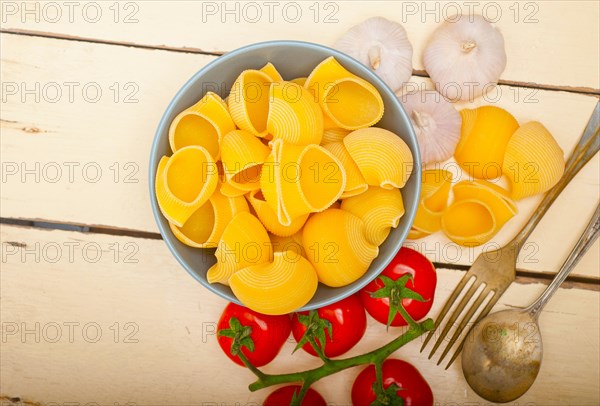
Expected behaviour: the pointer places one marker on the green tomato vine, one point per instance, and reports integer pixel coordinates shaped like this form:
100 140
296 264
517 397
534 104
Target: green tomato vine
315 335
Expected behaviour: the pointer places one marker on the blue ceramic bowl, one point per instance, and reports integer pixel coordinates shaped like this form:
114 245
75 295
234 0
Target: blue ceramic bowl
292 59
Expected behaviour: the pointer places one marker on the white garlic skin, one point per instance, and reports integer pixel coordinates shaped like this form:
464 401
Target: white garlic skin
436 123
465 58
383 46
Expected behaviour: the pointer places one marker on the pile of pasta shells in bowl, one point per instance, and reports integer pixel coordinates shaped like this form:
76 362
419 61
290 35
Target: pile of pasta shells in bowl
284 176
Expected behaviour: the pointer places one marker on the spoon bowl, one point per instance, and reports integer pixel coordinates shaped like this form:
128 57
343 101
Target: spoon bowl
503 355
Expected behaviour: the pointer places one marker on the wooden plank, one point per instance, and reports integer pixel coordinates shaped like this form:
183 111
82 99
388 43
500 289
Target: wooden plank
543 38
88 159
44 137
169 355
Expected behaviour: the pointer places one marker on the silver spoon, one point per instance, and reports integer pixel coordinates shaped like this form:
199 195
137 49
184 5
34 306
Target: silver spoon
502 353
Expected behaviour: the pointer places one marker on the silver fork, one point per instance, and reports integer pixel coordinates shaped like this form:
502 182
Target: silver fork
495 270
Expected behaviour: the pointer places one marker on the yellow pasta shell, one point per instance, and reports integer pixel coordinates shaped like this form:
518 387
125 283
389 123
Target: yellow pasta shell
202 124
383 158
348 101
333 135
205 227
484 135
299 81
414 234
226 188
355 182
534 162
490 194
243 156
229 190
294 115
489 185
159 185
297 180
435 190
248 101
184 182
280 287
436 185
478 212
330 124
292 243
271 71
244 242
268 217
335 243
469 223
380 209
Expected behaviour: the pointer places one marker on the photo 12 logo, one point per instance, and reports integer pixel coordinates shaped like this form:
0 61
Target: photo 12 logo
270 11
68 172
70 92
453 11
55 12
491 92
71 252
69 332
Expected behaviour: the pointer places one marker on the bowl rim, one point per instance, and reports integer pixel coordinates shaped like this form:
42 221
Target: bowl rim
164 124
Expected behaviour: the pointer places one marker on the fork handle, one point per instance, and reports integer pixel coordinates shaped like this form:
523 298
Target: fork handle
586 148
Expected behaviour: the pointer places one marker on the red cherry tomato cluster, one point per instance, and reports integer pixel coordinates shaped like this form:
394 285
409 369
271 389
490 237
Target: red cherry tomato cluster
404 289
268 334
348 322
398 376
423 281
283 397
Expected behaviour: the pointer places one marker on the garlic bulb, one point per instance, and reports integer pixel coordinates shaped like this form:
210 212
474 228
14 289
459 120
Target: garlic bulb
383 46
436 124
465 58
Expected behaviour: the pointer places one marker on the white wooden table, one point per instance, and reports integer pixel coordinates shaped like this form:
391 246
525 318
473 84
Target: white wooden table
101 313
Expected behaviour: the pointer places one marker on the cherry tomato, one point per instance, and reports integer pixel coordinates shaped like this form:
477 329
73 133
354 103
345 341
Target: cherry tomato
283 397
412 387
407 261
268 334
348 324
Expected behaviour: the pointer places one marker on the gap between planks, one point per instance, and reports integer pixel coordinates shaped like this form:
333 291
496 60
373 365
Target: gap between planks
192 50
523 276
15 401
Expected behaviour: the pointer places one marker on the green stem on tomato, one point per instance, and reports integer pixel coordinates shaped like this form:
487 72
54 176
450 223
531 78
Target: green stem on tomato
318 350
255 371
297 401
333 366
411 322
379 375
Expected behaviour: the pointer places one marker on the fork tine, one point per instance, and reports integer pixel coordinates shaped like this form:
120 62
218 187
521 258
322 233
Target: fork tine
470 292
482 296
483 313
447 306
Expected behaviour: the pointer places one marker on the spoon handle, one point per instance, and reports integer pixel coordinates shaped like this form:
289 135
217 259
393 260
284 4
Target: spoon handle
585 242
